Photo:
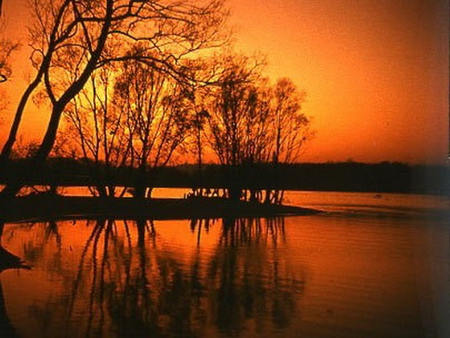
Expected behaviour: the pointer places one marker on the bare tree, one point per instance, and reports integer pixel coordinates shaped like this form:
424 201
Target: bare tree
200 117
290 124
290 130
73 38
254 123
196 105
94 128
155 119
7 47
232 102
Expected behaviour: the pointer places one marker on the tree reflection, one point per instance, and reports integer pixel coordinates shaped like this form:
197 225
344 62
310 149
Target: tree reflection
127 282
7 261
250 278
200 224
6 328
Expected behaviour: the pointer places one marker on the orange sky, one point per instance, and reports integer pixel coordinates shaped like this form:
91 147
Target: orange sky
375 72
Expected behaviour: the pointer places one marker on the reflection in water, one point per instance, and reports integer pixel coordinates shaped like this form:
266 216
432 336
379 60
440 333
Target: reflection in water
7 261
6 328
126 281
248 279
348 274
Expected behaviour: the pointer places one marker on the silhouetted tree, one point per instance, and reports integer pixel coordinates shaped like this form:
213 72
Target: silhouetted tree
7 261
71 39
255 123
94 128
154 119
196 107
7 47
232 102
288 133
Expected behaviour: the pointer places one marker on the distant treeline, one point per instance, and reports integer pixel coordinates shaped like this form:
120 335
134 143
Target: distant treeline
342 176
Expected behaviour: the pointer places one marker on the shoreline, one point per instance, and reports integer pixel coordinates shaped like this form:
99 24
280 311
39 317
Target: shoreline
37 208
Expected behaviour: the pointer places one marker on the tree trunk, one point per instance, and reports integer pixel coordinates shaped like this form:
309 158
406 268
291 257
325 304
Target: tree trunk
46 61
38 160
140 185
7 147
46 146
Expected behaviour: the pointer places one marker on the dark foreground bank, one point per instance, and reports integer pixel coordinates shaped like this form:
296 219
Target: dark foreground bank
61 207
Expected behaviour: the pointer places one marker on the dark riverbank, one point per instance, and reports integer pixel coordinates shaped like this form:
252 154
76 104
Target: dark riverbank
345 176
61 207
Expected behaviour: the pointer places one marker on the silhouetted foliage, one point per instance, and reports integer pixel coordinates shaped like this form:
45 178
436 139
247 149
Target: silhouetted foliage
154 120
254 122
7 47
120 72
147 115
91 128
72 39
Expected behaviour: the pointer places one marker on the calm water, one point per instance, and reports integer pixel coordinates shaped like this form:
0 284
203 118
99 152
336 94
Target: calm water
371 266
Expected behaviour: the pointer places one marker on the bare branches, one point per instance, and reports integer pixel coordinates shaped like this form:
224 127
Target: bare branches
7 47
254 123
127 73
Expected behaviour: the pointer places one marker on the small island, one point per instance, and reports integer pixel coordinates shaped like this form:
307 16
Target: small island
44 207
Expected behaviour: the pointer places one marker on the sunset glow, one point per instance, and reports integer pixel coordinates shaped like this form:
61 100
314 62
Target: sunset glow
224 168
375 72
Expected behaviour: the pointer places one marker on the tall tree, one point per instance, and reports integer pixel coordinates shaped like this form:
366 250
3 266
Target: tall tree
233 105
155 119
290 129
94 130
73 38
254 123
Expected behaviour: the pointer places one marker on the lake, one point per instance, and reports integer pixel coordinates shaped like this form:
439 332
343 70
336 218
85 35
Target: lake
371 265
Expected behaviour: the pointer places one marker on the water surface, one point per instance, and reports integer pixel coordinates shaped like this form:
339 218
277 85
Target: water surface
371 266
